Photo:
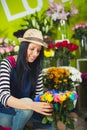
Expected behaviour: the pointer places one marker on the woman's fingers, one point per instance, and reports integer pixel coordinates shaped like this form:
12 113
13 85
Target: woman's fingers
46 114
46 108
43 108
47 105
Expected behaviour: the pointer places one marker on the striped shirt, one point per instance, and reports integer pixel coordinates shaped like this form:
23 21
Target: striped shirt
5 69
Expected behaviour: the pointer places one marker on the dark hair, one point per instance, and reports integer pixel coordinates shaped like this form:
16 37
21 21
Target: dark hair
32 68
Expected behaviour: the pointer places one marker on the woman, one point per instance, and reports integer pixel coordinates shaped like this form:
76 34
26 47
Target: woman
21 81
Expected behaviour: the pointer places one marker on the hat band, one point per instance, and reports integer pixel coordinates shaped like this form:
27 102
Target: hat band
34 38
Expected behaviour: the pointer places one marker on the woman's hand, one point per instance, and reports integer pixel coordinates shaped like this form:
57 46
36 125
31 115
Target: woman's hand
40 107
43 108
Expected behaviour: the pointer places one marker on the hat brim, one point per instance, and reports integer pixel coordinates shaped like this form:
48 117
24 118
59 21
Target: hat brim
32 41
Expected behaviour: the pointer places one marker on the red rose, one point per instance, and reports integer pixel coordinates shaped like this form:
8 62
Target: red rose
72 47
51 46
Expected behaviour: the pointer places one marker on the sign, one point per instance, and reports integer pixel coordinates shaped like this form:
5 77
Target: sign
28 10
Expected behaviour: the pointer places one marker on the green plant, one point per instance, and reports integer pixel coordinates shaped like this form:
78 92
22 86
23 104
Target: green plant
80 31
38 21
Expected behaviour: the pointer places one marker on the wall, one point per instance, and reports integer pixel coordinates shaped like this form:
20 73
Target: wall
12 12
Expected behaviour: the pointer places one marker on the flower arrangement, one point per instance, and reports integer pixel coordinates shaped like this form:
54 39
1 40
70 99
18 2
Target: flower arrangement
59 91
84 78
80 30
7 47
62 50
60 13
57 11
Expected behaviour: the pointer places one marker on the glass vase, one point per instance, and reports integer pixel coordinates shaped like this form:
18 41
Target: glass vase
62 30
83 47
63 62
49 62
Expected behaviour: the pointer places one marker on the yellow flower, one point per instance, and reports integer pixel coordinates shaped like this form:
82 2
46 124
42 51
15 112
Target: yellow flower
68 94
49 53
51 76
57 78
65 80
49 97
55 86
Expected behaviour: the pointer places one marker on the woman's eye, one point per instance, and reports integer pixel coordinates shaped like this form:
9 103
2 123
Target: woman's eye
38 51
31 48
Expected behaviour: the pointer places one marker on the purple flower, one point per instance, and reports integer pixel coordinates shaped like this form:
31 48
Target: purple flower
57 11
84 78
73 96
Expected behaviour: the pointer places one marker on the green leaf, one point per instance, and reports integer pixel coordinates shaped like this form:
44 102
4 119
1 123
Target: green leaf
70 106
49 118
44 120
71 125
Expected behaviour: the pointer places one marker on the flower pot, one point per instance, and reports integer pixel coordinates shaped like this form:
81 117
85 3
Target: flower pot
49 62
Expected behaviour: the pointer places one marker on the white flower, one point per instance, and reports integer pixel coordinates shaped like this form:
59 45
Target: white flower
75 75
16 48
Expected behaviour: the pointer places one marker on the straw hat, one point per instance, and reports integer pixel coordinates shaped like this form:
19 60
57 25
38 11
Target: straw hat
34 36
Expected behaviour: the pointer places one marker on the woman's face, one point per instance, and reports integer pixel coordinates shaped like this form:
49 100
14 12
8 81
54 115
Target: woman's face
33 52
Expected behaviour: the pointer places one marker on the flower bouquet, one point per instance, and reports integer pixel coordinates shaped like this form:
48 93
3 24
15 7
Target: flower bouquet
62 50
60 14
59 90
58 11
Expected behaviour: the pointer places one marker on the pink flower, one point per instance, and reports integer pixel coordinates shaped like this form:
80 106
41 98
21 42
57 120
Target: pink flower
74 11
59 97
57 11
9 49
80 25
2 50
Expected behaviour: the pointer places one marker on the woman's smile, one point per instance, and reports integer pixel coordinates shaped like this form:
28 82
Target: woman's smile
33 52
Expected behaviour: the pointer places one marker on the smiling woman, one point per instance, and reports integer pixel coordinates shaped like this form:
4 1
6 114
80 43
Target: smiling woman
21 81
